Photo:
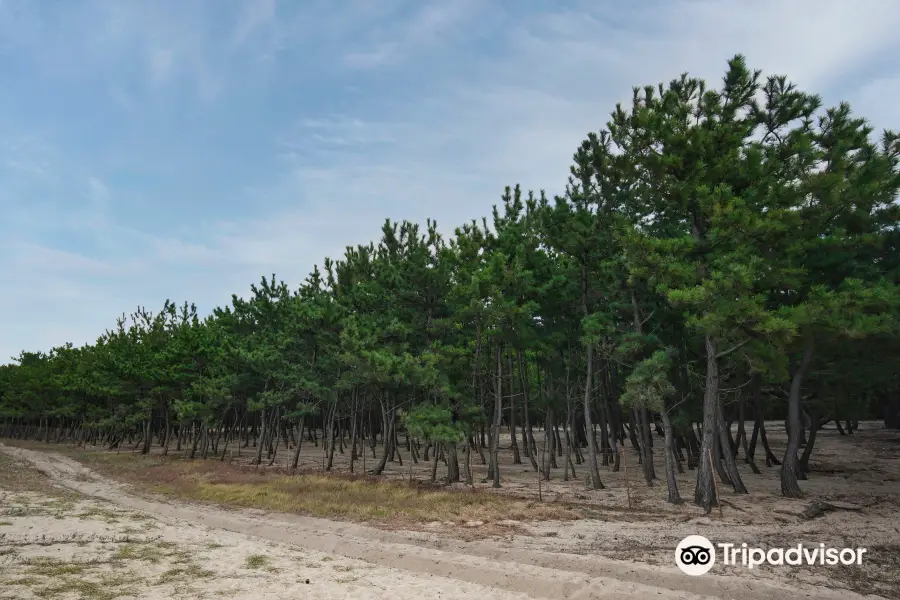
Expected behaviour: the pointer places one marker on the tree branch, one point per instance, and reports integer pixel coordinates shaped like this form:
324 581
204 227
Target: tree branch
725 353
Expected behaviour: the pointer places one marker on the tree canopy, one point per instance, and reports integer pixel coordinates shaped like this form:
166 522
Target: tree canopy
715 249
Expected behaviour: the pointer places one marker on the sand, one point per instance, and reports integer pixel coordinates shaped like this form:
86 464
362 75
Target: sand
178 550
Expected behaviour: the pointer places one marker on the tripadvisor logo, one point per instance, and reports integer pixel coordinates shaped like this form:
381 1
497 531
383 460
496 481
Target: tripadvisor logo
696 555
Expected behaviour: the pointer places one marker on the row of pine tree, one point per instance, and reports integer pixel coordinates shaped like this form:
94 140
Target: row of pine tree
719 255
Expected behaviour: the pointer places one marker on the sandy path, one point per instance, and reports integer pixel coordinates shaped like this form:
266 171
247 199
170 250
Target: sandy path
500 572
66 550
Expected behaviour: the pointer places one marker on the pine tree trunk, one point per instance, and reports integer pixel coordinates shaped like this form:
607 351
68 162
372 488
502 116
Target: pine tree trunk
771 459
790 464
730 465
396 446
640 421
810 443
671 460
168 435
592 447
514 444
604 435
467 465
259 447
548 443
705 491
148 439
742 434
434 465
277 443
498 413
568 456
296 458
331 435
452 463
526 429
387 412
353 430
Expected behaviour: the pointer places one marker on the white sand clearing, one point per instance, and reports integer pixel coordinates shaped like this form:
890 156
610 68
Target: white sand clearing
112 543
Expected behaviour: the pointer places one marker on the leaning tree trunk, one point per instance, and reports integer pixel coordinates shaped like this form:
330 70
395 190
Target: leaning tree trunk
742 434
810 443
730 465
196 434
790 464
296 458
771 459
275 449
387 413
330 436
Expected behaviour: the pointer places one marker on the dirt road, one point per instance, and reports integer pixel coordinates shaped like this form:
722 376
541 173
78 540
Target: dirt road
411 562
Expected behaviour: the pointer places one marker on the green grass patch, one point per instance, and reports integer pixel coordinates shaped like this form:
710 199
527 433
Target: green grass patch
257 561
187 573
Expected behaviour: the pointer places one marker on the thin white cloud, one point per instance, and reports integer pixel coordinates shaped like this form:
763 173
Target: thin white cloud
378 55
25 154
428 27
442 145
25 256
107 40
317 136
25 167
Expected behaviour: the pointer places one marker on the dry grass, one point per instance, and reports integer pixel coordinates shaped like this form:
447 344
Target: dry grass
107 589
49 577
190 572
101 578
104 576
356 499
341 496
16 476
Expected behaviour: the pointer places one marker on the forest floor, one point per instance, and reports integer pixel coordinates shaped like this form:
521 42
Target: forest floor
94 525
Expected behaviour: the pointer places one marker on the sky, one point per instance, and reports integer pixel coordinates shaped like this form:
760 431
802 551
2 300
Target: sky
154 149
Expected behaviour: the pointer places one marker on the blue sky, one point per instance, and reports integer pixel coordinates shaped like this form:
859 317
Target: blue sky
169 149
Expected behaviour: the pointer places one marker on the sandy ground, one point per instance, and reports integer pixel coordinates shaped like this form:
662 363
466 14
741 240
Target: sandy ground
108 541
862 469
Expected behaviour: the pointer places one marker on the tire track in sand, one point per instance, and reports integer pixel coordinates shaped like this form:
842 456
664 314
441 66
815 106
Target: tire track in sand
537 574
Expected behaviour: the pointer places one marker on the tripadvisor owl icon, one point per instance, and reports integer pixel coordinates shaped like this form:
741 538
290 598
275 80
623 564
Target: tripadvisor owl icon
695 555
